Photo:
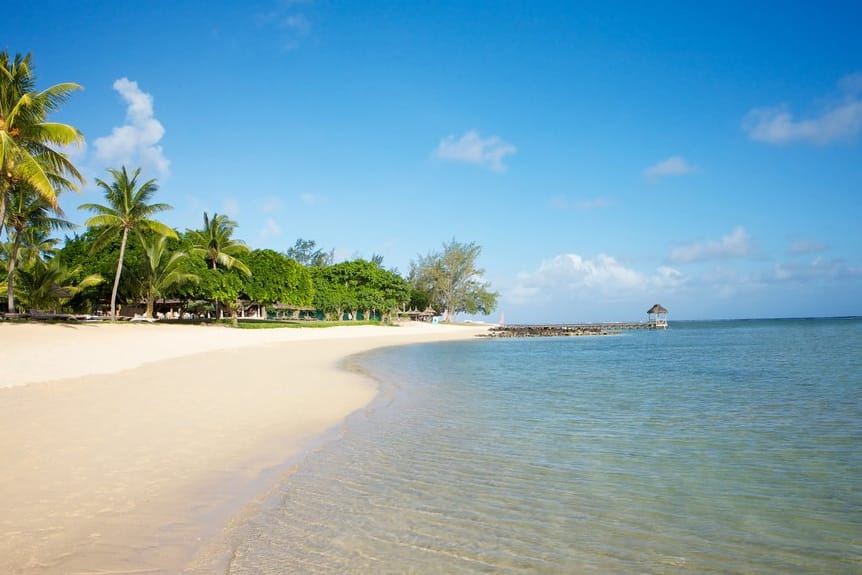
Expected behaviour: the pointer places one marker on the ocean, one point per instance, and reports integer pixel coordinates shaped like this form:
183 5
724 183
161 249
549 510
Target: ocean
730 447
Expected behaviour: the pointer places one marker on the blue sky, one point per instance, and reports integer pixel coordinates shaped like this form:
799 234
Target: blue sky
606 156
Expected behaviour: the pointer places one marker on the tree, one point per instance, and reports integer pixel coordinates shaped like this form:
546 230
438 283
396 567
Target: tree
357 286
453 281
47 285
126 210
275 278
162 269
26 137
214 244
27 210
307 253
78 253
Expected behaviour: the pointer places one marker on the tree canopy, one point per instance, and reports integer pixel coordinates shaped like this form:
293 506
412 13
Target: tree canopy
452 281
275 278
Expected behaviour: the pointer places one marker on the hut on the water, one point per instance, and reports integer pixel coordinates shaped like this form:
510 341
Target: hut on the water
657 316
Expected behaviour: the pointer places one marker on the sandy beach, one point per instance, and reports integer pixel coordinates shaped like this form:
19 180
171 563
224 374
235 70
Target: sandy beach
125 448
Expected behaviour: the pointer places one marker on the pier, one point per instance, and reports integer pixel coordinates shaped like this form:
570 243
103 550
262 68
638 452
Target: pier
656 319
556 330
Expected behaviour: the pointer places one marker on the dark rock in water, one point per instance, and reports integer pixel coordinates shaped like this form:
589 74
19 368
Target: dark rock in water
550 330
556 330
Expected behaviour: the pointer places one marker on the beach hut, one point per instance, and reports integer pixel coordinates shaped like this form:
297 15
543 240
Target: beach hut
657 316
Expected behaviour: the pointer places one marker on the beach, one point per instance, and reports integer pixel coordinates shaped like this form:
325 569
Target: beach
126 448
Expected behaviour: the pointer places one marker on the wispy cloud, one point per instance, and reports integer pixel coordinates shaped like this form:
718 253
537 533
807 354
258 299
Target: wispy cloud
593 204
270 204
816 270
736 244
231 208
558 202
471 148
270 229
287 20
561 202
672 166
569 276
840 119
310 199
136 143
804 247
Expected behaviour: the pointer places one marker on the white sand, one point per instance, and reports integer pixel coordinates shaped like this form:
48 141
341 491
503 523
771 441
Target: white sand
110 471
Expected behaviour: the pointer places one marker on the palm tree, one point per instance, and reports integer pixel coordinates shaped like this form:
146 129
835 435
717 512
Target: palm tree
26 138
162 269
126 210
214 243
47 285
27 211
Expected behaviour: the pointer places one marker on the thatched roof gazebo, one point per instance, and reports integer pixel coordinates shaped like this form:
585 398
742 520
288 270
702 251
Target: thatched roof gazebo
657 316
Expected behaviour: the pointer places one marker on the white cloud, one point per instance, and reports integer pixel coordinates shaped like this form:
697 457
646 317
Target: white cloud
672 166
734 245
841 119
137 141
570 276
471 148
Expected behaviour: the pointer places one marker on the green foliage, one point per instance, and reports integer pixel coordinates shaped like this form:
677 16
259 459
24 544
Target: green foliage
26 213
49 285
127 209
28 154
77 253
307 254
214 243
357 286
452 281
161 270
277 278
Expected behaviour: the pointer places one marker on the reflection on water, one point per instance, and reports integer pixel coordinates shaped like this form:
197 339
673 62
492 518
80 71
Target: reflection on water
722 447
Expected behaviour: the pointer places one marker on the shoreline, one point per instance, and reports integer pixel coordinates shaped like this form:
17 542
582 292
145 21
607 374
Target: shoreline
138 469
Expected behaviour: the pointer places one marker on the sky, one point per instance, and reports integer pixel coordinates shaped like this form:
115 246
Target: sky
606 156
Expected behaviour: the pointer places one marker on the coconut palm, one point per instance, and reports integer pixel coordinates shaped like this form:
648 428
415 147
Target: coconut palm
27 211
27 154
126 210
36 244
48 285
214 243
162 269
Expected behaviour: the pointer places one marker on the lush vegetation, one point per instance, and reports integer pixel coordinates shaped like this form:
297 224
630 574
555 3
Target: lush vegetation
127 261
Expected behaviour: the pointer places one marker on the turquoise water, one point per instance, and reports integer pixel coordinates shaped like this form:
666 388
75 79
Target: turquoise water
714 447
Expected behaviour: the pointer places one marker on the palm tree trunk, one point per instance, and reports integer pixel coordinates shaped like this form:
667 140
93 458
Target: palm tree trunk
217 307
117 276
2 210
10 278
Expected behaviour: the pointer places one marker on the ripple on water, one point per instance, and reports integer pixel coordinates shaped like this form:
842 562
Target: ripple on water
728 447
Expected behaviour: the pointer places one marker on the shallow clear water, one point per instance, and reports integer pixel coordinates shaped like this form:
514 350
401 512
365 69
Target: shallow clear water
715 447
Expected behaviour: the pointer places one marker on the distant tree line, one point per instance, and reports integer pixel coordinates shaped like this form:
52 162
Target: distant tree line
125 256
